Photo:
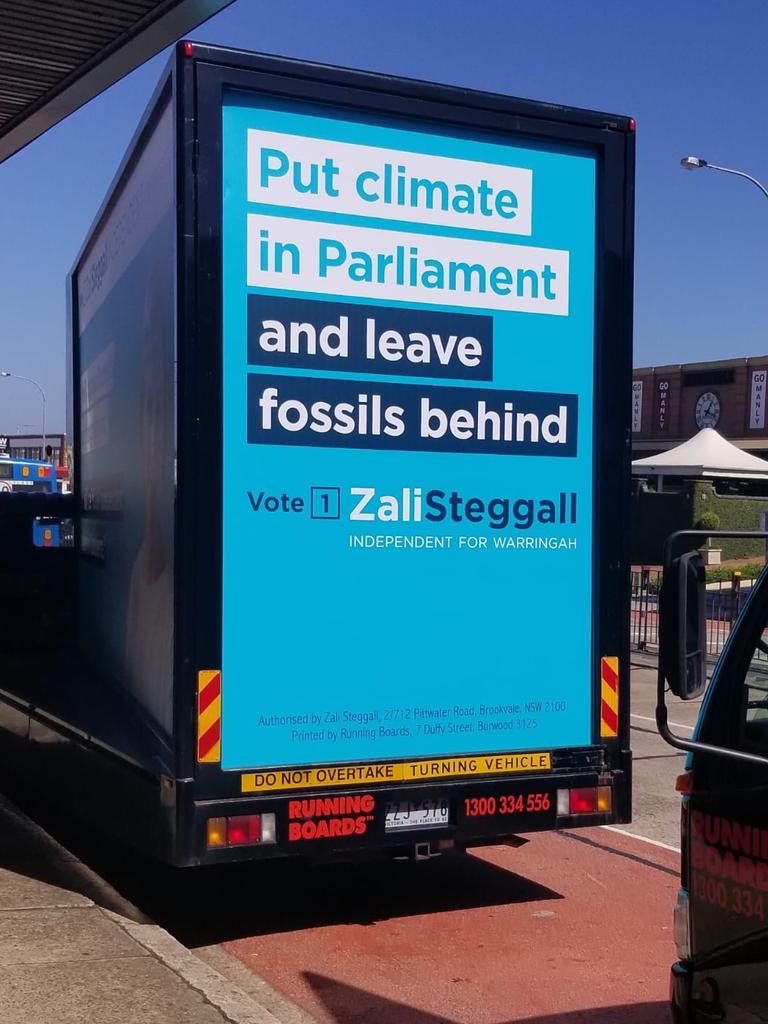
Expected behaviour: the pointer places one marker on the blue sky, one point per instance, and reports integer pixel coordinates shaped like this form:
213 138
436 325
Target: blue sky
692 72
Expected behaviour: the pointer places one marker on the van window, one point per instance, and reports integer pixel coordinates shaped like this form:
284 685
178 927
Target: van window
755 698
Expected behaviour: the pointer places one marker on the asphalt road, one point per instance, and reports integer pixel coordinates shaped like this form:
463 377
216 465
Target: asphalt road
656 810
571 928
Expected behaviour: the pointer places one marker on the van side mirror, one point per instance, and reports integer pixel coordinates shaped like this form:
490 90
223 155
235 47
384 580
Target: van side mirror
683 626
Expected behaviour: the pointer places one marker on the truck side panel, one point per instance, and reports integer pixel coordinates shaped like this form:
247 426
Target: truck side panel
124 342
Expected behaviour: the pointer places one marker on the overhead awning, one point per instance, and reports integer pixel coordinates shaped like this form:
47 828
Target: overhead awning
55 55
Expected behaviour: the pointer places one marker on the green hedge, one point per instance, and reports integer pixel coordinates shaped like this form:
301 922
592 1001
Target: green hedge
722 574
655 516
735 514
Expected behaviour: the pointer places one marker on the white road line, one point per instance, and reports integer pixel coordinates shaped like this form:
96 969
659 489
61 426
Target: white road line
675 725
643 839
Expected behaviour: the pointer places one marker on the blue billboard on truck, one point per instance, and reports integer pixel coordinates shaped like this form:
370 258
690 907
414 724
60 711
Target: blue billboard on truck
408 375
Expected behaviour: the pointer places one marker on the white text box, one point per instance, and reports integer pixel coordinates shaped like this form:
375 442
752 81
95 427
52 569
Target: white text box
391 184
336 259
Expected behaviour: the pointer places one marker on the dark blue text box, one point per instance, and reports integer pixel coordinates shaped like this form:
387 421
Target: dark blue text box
328 413
352 322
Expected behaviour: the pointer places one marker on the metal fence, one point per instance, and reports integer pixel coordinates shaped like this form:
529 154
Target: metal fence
724 602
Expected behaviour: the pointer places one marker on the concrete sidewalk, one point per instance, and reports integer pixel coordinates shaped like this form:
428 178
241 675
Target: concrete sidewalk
72 951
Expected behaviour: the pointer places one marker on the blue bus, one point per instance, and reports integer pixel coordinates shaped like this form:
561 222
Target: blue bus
26 475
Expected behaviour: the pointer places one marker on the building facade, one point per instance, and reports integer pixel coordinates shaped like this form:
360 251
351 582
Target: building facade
672 403
30 446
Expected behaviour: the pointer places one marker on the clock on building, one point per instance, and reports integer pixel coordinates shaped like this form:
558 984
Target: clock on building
708 410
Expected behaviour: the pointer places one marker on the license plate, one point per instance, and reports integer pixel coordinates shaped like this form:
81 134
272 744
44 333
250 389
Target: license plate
404 814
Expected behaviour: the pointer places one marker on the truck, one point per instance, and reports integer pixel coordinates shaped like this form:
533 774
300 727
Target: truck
25 476
721 913
351 367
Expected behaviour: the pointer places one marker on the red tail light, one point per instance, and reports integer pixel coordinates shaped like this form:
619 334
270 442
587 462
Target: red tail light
241 830
583 801
245 828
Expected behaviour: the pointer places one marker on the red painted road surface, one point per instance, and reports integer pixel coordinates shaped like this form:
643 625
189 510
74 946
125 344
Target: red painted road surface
572 928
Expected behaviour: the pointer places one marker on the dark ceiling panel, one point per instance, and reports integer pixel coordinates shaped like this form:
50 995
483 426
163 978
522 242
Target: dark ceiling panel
55 55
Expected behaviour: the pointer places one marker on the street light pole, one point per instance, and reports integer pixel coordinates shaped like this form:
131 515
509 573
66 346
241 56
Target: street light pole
29 380
691 163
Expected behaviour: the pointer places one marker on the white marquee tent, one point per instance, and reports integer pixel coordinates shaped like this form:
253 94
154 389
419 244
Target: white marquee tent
707 455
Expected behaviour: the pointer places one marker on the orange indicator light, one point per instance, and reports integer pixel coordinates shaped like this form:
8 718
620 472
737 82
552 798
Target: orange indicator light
217 833
604 799
684 783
